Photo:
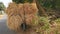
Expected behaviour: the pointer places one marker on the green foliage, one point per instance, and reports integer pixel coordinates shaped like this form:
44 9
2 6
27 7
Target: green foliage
45 21
50 3
18 1
2 7
22 1
58 3
47 4
58 20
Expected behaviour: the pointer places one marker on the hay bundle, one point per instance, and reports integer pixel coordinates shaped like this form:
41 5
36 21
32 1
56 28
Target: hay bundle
16 15
30 12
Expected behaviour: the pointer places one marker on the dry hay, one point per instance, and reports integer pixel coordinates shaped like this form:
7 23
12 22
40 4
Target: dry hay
15 14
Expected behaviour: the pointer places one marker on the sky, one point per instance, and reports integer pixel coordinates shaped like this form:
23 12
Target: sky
6 2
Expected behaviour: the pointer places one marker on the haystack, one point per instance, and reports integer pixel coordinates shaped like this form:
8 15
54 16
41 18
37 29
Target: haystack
16 15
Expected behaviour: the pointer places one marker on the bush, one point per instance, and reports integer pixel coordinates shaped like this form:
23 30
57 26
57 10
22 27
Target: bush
57 20
45 22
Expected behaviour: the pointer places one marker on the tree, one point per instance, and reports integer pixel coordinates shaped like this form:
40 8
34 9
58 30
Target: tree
22 1
41 9
2 7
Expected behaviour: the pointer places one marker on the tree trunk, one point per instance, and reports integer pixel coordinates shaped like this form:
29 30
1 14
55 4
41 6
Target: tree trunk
40 8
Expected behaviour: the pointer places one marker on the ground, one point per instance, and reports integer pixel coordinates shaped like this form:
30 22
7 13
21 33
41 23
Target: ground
3 27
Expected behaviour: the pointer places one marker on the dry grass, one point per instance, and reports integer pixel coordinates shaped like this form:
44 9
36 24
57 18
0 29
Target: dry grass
15 14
